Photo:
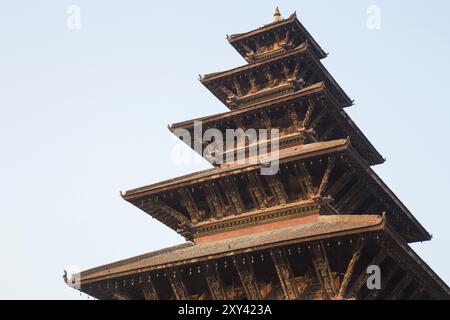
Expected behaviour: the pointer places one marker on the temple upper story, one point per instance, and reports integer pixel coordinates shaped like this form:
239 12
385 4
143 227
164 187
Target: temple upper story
273 39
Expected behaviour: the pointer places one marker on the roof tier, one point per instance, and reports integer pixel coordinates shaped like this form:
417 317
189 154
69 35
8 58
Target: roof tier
329 177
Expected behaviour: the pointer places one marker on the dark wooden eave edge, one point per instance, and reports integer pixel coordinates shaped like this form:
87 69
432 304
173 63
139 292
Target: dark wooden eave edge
415 257
303 48
319 87
235 38
373 223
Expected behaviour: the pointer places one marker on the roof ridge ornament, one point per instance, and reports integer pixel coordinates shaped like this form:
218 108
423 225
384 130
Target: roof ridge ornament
277 15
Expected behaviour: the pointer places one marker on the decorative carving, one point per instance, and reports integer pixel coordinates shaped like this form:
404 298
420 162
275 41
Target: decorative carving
177 284
214 283
323 271
149 291
277 189
348 274
214 201
326 176
257 191
387 276
188 203
245 271
233 197
285 274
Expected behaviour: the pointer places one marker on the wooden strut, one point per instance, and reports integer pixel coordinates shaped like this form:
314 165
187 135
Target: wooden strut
149 290
323 270
309 113
349 272
285 274
326 176
257 191
177 284
277 189
362 278
385 278
233 196
214 282
214 201
245 272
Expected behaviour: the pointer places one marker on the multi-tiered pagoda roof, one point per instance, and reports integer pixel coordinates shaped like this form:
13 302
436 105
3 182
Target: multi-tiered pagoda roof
308 231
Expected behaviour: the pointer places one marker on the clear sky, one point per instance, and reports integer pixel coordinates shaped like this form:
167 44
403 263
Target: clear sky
84 114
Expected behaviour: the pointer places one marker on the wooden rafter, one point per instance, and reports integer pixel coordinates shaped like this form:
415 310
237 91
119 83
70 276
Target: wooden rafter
285 274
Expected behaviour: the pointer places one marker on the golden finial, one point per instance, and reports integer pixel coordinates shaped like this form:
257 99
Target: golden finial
277 15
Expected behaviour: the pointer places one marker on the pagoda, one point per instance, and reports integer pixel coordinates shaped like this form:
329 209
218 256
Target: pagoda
311 230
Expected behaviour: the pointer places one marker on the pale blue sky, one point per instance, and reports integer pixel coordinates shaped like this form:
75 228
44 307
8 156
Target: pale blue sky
84 115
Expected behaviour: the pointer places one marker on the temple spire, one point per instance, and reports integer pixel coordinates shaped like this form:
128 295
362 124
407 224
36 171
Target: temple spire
277 15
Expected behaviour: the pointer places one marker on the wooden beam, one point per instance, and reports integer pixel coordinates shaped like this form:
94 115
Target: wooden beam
178 287
349 272
214 282
326 176
285 274
362 278
257 191
249 283
149 290
323 270
277 189
187 201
